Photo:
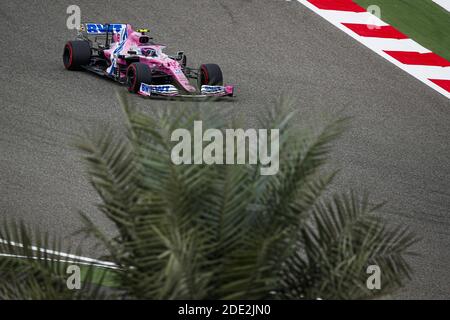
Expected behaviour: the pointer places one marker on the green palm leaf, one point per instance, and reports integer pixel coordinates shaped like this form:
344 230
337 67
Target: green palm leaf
220 231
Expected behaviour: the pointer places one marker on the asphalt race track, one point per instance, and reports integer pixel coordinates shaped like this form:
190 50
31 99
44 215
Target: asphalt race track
398 146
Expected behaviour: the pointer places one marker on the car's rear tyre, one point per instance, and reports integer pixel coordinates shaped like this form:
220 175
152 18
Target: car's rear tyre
138 73
210 75
76 54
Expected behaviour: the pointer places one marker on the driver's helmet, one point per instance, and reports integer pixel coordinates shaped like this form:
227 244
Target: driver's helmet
149 52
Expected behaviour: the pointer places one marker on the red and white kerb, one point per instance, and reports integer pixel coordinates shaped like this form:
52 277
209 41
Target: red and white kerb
385 40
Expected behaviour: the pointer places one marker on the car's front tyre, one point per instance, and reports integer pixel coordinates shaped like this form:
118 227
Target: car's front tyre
76 54
210 75
138 73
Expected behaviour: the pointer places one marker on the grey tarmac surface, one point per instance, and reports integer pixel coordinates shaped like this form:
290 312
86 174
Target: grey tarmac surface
398 146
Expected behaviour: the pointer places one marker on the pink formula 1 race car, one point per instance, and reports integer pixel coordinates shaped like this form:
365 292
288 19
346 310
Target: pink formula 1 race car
130 57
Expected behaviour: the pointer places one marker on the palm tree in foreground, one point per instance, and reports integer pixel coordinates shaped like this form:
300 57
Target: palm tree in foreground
217 231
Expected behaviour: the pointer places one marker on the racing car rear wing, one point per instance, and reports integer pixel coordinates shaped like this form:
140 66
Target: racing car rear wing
100 31
97 28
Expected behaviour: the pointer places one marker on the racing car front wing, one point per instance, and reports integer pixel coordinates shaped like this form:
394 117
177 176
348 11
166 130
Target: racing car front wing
169 90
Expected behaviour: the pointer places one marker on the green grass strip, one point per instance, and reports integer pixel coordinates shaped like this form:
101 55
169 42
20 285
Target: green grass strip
109 276
422 20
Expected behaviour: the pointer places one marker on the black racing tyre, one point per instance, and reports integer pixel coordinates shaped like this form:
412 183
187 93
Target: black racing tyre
76 54
211 75
138 73
184 61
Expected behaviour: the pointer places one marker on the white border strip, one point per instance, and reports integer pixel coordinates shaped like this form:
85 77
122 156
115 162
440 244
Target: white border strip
443 3
422 73
71 257
61 261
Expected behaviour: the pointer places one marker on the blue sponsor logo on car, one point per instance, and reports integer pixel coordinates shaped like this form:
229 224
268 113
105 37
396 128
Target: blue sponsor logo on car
161 89
103 28
145 88
212 88
157 89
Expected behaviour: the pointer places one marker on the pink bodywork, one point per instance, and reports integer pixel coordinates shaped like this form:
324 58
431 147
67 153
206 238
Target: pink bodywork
128 40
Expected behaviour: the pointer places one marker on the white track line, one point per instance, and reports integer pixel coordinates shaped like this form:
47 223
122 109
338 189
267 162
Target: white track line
422 73
71 257
61 261
443 3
